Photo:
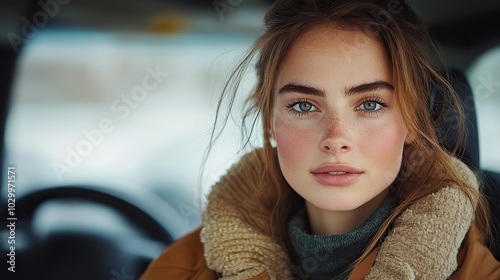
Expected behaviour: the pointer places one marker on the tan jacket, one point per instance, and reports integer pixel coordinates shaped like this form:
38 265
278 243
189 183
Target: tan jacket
433 239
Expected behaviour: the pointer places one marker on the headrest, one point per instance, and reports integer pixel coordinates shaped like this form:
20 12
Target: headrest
448 130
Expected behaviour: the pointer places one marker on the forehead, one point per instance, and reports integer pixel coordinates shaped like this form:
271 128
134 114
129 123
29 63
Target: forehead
344 56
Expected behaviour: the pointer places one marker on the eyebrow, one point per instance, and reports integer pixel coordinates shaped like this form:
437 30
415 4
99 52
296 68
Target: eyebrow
374 86
301 89
362 88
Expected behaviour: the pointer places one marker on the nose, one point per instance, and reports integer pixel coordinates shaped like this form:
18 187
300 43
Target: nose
336 137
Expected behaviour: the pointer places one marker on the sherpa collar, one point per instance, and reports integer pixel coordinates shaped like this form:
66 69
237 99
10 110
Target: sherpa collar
426 235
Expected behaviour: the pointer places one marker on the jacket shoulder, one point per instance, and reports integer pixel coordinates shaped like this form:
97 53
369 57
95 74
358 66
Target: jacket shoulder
184 259
475 261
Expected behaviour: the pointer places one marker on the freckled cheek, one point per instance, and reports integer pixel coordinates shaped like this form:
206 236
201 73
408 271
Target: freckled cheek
294 141
384 145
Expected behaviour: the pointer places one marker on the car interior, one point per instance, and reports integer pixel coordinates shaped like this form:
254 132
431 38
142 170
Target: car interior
99 222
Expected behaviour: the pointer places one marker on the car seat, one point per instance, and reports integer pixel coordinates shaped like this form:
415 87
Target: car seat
469 149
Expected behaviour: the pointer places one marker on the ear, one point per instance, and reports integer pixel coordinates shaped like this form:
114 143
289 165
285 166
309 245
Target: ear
272 139
271 127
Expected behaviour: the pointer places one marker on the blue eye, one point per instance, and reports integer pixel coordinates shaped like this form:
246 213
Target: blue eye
370 106
303 107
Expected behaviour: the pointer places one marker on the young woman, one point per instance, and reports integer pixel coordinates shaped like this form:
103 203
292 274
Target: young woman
352 182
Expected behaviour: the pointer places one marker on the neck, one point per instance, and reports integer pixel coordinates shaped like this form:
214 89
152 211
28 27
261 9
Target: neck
325 222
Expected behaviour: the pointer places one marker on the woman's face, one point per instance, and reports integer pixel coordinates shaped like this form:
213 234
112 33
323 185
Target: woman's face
337 126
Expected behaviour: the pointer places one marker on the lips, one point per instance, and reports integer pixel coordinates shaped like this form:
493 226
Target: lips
336 174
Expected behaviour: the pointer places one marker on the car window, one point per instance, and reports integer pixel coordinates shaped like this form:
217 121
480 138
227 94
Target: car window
126 110
484 76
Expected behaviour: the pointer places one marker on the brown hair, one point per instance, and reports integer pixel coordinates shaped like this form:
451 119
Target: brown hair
426 166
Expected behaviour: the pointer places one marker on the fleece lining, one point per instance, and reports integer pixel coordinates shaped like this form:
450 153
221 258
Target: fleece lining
422 244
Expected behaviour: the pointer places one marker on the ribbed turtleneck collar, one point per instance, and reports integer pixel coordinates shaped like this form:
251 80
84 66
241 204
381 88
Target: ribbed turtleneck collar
328 256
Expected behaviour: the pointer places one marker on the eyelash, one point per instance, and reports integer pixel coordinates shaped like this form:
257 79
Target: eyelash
292 103
372 98
376 99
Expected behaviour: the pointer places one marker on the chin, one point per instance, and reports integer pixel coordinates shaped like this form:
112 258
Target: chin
338 204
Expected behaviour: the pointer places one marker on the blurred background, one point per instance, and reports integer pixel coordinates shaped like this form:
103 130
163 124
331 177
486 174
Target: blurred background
107 108
153 69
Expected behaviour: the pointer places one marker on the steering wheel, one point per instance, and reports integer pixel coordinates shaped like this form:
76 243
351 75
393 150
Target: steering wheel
80 254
